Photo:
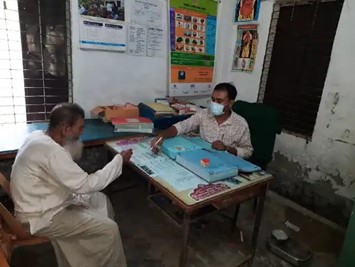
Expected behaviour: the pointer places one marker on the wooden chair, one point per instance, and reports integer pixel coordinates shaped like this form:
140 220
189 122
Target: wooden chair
5 185
3 259
12 233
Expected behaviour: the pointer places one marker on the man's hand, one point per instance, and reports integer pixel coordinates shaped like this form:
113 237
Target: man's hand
218 145
156 142
126 155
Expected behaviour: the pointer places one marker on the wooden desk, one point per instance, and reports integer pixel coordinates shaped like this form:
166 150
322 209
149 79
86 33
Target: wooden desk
224 194
96 132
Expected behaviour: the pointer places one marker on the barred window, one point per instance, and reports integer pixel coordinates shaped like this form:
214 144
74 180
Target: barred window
35 59
300 57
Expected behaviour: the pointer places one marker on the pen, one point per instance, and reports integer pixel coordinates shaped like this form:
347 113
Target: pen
156 142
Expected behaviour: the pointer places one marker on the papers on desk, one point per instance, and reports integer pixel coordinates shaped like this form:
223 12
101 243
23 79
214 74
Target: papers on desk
159 165
186 186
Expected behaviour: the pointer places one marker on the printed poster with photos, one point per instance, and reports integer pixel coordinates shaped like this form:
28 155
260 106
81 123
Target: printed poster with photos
245 48
102 25
192 46
246 10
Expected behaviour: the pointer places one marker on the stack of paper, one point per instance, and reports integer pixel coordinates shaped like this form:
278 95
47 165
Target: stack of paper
133 125
160 108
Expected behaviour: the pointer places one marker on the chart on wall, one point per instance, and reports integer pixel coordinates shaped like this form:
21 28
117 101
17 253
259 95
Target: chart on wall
246 10
245 48
102 25
192 46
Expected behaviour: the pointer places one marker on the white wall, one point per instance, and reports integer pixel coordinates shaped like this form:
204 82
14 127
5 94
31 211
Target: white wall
103 78
330 155
110 78
246 83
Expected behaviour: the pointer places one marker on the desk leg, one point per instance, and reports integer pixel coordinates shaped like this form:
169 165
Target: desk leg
235 218
259 213
109 155
185 244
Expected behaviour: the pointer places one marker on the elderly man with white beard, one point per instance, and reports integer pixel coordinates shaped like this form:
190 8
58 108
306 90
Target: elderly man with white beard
55 198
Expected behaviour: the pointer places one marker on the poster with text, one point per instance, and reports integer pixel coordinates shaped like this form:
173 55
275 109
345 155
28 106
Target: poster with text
102 25
245 48
246 10
192 46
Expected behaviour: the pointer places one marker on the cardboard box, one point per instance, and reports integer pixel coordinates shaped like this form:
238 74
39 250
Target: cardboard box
109 112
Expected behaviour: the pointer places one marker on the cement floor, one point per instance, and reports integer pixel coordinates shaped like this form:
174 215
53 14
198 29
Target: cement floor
150 239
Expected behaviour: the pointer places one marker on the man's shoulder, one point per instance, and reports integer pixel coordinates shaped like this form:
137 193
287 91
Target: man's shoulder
37 137
239 120
38 140
203 113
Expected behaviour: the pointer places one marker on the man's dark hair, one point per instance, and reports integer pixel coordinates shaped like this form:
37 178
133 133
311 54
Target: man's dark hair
65 113
229 88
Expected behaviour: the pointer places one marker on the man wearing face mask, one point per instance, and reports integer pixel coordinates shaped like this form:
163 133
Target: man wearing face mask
55 198
218 124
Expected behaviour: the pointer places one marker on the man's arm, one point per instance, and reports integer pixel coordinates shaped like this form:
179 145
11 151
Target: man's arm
243 148
168 133
65 171
181 127
219 145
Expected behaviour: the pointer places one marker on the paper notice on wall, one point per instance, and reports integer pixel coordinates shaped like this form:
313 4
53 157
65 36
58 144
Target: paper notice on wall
147 12
156 45
137 40
102 34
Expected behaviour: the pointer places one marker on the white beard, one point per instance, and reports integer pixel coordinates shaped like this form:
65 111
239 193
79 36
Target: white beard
75 149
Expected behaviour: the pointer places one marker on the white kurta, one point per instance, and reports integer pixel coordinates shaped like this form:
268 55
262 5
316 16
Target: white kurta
61 201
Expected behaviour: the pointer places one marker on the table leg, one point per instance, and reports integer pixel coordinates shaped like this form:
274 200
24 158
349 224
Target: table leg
150 188
259 213
109 155
185 244
235 218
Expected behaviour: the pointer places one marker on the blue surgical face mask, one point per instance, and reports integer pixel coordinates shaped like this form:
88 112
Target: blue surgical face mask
216 108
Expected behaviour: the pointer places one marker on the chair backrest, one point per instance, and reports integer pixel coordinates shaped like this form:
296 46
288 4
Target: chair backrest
3 259
7 218
5 245
12 233
9 222
264 124
5 184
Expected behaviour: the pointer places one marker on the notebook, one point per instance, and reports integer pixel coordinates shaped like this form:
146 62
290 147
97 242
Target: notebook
173 146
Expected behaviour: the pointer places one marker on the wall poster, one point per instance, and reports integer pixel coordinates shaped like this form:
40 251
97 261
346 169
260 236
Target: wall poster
192 46
247 10
102 25
245 48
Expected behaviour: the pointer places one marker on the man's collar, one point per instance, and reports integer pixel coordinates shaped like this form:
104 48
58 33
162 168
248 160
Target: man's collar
228 121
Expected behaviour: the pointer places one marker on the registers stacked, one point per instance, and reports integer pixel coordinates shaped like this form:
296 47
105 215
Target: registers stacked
133 125
198 156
